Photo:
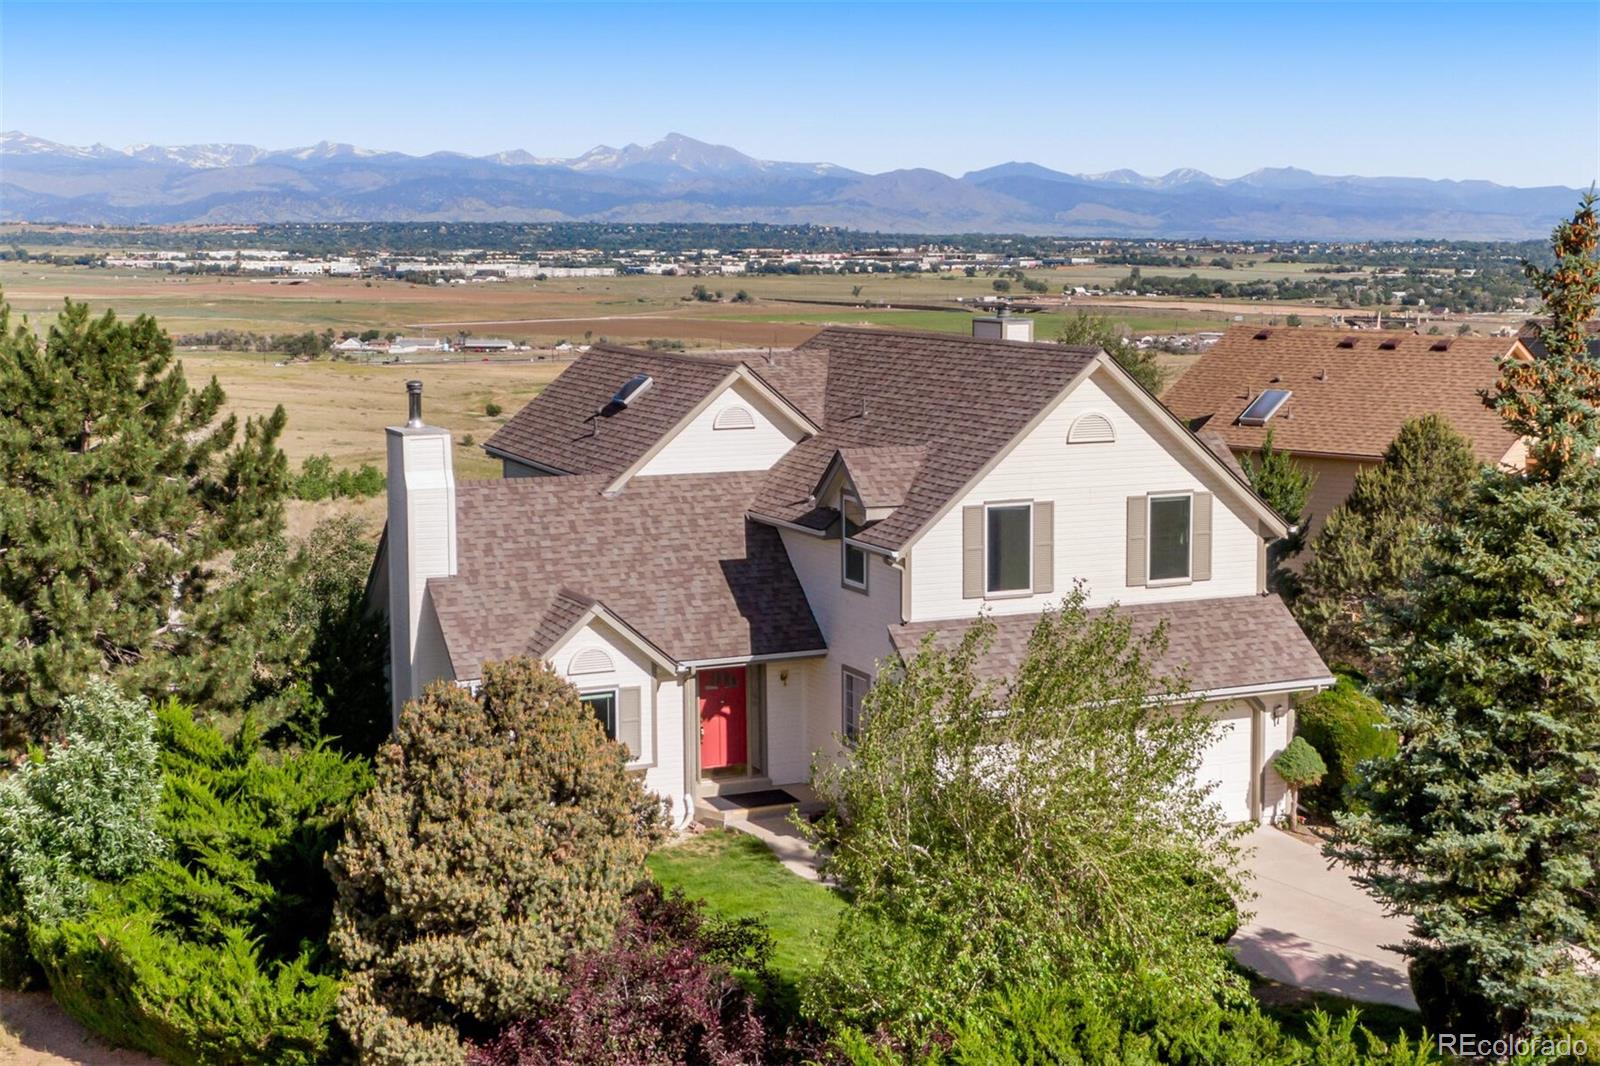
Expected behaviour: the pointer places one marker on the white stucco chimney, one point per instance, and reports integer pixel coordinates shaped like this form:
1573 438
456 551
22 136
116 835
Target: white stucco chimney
422 542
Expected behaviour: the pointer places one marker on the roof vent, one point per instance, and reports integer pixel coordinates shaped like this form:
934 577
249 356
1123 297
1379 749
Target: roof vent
1263 335
1439 346
632 389
1347 342
1389 345
1322 375
1263 407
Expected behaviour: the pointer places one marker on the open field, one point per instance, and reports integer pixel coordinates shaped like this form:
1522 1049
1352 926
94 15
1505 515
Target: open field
341 408
630 307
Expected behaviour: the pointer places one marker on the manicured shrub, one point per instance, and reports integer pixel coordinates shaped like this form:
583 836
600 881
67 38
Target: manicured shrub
1346 727
85 808
663 992
502 838
217 953
1300 767
1147 1022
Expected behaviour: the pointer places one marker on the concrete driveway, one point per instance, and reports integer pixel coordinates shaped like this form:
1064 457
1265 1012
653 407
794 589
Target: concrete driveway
1314 928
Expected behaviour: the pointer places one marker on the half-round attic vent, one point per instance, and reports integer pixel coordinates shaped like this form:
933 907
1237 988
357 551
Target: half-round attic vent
1092 428
590 661
734 418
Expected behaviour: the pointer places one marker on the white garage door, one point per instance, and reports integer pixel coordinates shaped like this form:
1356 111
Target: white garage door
1225 766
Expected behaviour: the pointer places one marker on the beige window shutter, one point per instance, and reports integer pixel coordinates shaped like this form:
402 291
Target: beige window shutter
1044 546
630 722
1200 566
1138 553
972 553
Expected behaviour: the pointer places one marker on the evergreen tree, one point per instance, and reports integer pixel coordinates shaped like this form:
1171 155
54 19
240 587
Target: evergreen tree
1286 485
1485 827
122 491
1378 540
502 838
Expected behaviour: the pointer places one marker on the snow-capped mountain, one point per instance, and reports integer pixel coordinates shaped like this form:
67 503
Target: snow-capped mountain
680 179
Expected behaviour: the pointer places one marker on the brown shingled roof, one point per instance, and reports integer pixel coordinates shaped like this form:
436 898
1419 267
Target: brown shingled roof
572 427
534 554
1351 389
960 398
1222 644
883 476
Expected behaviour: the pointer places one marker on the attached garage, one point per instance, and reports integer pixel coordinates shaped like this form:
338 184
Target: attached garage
1226 764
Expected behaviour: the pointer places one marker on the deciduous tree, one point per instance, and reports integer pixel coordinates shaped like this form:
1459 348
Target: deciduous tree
1100 332
1044 828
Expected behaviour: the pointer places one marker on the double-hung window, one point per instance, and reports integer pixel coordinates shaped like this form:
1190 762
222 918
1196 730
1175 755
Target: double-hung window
603 705
853 563
1171 538
1008 547
855 686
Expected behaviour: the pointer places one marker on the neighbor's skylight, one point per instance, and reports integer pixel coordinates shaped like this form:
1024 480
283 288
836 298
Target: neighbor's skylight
1263 407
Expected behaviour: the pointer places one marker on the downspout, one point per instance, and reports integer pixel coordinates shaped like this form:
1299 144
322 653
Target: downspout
1258 755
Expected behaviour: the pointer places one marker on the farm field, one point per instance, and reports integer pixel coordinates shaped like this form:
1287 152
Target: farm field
340 409
629 307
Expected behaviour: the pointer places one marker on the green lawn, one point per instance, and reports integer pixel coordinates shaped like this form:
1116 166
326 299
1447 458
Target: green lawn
738 877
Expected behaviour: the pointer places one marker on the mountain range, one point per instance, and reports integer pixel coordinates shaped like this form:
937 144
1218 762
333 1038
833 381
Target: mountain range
680 179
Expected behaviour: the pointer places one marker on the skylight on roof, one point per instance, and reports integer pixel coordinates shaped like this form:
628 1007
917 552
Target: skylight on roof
1263 407
632 389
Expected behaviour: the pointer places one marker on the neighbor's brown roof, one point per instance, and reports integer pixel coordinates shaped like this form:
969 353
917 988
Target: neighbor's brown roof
1212 645
1347 401
571 427
960 398
674 558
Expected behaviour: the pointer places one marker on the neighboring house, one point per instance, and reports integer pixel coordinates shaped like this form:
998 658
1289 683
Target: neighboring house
1336 398
724 550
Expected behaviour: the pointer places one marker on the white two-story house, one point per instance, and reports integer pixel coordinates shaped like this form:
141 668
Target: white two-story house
722 551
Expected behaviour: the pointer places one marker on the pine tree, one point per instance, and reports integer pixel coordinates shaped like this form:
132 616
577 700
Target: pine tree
1286 485
122 491
1377 541
1485 827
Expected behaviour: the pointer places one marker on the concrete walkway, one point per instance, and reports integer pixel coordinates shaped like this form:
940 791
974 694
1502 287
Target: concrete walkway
1315 928
777 833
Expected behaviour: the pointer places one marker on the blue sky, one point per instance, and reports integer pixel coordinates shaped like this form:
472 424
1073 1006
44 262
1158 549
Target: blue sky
1507 92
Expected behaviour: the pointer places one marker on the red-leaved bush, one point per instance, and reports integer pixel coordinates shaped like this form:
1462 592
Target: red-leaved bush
663 993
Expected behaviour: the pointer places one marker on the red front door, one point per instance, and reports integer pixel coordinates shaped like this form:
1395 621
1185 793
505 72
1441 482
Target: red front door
722 723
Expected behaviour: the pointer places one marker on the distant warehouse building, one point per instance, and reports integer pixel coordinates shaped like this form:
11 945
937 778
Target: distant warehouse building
488 344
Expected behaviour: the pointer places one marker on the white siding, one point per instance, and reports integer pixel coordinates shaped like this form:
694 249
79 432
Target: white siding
660 705
788 724
699 448
1089 484
1276 736
855 625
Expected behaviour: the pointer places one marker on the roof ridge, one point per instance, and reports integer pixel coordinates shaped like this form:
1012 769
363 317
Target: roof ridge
709 358
962 338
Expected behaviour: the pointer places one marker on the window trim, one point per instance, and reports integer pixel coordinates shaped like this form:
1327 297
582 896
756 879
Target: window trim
615 692
1150 540
1027 588
846 546
846 674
